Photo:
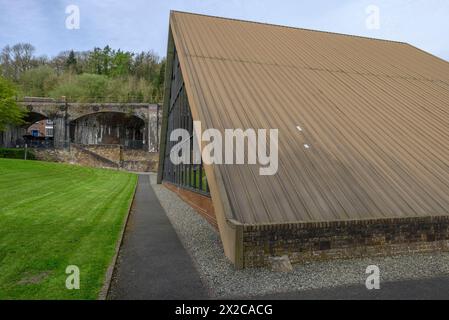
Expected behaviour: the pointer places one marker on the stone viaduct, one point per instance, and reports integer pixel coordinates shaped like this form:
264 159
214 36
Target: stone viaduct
134 125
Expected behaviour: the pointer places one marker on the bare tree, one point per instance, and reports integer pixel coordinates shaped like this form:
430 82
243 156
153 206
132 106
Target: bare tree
17 59
7 63
23 58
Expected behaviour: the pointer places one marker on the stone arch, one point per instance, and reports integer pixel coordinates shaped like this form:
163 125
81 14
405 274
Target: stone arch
106 127
75 112
17 136
32 117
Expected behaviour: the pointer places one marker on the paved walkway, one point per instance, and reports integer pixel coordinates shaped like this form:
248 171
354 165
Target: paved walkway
152 262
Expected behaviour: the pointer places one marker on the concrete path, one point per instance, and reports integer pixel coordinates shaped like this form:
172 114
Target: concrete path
152 262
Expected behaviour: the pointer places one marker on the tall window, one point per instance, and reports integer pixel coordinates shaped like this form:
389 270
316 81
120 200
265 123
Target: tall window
189 176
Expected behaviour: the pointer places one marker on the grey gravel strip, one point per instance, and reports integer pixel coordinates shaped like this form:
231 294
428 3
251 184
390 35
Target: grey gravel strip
204 245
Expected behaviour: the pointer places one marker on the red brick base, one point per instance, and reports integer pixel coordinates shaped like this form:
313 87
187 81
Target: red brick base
200 203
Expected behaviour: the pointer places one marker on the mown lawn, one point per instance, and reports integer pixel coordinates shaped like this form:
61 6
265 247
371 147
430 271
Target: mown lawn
53 216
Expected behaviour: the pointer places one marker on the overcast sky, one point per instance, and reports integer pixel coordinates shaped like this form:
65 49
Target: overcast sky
137 25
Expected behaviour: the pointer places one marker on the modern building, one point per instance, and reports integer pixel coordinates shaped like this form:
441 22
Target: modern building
363 128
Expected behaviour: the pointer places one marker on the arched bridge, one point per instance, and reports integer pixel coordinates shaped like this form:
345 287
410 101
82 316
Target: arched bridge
95 123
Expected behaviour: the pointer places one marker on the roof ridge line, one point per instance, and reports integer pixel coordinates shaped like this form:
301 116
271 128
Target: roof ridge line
289 27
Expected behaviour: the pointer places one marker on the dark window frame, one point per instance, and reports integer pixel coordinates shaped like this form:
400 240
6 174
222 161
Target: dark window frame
187 176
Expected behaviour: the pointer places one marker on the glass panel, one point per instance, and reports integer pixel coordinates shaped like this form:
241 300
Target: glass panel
179 116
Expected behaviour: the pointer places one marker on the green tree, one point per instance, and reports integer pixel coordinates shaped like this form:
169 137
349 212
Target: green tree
38 82
124 76
82 88
100 61
121 63
95 61
146 65
159 83
71 63
10 112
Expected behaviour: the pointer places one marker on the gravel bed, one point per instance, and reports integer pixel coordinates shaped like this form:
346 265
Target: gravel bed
204 245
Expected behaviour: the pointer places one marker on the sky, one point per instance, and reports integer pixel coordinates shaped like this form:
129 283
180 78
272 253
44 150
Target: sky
142 25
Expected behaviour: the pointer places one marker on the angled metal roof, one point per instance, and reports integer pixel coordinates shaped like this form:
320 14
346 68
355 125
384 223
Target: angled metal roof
373 114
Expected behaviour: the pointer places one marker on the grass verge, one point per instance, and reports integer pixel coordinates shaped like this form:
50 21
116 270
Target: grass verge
56 215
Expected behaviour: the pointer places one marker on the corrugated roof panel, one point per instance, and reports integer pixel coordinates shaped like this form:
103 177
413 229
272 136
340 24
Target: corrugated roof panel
373 114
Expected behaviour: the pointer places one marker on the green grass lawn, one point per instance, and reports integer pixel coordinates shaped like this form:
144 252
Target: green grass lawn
55 215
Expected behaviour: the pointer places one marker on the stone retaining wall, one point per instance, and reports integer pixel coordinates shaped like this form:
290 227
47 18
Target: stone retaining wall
103 156
88 158
111 152
140 165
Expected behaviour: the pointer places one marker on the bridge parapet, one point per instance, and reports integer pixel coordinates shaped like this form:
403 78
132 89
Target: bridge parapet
52 108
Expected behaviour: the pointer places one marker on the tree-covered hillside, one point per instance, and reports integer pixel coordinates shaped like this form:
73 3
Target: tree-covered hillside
99 75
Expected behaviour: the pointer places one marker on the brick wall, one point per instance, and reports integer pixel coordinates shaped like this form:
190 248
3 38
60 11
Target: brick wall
335 240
